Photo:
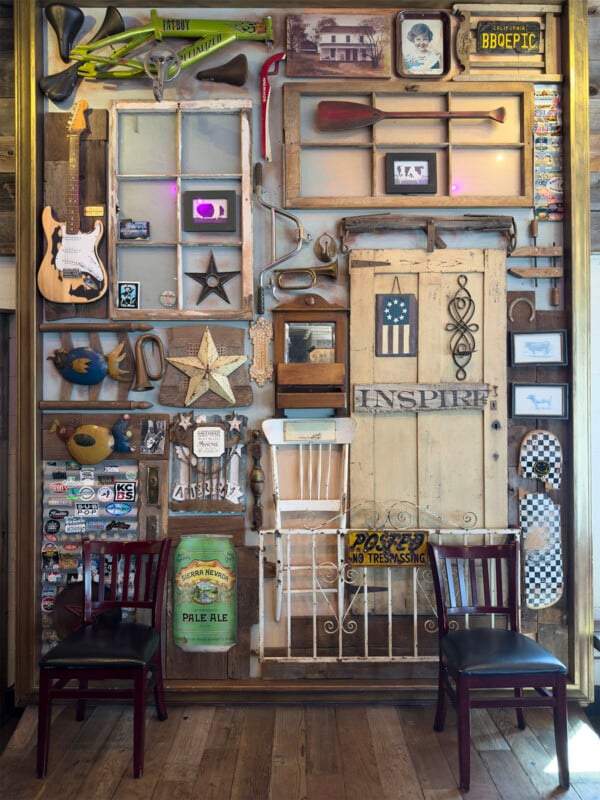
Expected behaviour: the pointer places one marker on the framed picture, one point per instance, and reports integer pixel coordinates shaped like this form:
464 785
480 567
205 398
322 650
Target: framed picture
540 400
410 173
128 294
423 44
353 45
209 211
538 347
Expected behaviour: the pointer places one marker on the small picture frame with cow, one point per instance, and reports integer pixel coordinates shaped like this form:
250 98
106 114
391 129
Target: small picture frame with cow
540 400
538 348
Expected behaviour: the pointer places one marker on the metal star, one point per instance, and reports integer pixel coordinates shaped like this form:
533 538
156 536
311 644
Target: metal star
208 371
212 281
185 421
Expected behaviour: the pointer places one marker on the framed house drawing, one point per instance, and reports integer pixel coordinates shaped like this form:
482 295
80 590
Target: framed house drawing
338 46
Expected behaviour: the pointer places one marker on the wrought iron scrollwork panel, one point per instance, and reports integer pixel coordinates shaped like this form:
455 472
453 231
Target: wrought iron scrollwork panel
462 342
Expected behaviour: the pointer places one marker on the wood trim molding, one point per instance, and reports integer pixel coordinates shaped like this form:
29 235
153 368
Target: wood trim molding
28 124
577 230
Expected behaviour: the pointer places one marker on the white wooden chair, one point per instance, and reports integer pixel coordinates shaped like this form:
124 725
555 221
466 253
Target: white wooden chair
309 470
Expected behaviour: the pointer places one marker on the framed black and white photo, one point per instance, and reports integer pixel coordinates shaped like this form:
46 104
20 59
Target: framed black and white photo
410 173
538 348
422 43
209 211
540 400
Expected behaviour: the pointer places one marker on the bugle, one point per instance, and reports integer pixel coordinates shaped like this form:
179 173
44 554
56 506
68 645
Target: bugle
143 374
296 279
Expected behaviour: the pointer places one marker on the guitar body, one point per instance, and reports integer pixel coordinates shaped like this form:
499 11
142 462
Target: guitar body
71 271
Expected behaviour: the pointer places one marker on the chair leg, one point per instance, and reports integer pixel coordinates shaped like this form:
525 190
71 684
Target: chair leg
159 695
139 722
463 711
44 714
560 731
442 700
520 712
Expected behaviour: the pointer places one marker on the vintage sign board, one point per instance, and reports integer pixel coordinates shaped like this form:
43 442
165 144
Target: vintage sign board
499 36
387 548
498 41
417 397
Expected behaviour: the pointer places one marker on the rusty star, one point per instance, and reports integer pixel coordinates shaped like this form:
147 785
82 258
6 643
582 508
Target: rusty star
212 281
208 371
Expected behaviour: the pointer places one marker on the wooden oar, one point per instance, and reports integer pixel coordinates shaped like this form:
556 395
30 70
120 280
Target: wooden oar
341 115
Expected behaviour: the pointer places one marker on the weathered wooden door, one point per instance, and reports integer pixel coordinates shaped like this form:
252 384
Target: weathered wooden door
431 436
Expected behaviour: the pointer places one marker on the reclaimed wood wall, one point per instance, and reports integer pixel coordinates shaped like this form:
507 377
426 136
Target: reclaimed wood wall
594 61
7 131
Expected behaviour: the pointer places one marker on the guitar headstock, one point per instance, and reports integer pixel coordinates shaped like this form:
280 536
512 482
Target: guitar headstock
77 123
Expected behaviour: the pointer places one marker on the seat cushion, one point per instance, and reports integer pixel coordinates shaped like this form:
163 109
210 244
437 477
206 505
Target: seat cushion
127 644
493 651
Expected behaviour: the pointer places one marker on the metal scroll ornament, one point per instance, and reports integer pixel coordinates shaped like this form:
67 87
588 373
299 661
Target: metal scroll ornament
462 342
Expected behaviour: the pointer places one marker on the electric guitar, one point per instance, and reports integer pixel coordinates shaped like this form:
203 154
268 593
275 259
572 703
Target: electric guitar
71 271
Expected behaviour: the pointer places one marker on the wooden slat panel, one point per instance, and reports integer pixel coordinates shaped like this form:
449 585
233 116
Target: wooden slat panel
324 776
288 776
253 768
454 468
180 770
433 771
216 769
159 741
313 751
391 752
357 755
113 758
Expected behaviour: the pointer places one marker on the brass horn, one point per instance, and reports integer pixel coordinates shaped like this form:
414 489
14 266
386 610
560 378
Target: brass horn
233 72
143 375
296 279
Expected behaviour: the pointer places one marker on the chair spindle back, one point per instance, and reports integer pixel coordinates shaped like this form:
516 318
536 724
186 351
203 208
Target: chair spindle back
129 575
476 580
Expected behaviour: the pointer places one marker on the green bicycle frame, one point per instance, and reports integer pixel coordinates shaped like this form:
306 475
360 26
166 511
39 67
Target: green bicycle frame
209 37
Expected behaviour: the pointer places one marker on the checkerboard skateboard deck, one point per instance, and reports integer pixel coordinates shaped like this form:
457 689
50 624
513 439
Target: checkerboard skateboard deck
542 548
541 457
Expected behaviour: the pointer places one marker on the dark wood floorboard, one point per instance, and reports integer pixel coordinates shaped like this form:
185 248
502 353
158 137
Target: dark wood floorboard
297 752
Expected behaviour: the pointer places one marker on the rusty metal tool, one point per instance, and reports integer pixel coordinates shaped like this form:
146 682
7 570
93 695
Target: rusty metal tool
301 237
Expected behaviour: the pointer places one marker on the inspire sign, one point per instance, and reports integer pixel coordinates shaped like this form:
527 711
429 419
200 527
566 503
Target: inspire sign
378 399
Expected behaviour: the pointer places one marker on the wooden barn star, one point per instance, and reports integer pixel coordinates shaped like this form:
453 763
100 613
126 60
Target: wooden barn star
208 371
212 281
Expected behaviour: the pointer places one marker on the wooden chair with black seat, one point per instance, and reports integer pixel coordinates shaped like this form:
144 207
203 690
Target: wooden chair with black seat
131 576
480 580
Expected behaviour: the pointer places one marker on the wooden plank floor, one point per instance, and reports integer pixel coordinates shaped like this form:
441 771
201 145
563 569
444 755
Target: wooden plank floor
297 752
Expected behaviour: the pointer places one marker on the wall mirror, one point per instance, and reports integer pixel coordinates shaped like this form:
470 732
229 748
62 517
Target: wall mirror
310 342
310 352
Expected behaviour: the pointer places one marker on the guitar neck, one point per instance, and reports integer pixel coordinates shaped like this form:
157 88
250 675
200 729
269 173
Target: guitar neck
73 219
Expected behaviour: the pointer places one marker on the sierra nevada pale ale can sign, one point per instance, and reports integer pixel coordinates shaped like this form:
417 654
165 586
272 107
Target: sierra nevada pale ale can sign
205 594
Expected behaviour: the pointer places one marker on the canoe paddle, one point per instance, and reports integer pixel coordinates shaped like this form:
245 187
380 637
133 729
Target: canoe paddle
341 115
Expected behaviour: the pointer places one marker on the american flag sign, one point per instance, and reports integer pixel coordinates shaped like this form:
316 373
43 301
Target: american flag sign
396 325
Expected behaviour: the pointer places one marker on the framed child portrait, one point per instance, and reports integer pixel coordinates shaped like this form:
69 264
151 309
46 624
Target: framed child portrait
423 44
